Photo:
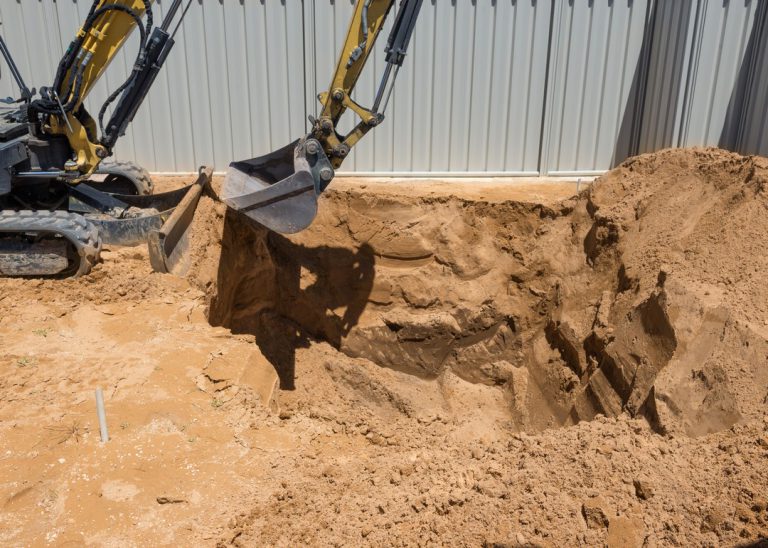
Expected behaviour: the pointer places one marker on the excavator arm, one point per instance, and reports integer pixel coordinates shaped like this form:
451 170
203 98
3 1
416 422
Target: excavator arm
280 190
97 42
60 109
367 22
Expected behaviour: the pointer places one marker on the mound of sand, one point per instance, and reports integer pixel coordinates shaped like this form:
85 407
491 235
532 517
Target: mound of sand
462 364
645 294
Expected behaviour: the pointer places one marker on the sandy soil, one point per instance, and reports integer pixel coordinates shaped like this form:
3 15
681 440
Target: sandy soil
479 365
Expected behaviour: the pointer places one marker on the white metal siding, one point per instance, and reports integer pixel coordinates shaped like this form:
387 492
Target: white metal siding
716 67
468 99
594 62
729 77
748 132
489 86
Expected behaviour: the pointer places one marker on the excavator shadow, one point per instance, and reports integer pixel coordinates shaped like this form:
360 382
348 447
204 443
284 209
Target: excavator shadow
288 294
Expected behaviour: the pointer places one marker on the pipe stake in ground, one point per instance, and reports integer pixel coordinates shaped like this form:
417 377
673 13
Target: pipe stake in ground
102 415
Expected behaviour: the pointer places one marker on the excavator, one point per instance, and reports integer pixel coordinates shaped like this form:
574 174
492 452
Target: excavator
55 216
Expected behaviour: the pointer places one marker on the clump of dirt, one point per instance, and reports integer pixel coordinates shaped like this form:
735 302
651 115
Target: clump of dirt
641 295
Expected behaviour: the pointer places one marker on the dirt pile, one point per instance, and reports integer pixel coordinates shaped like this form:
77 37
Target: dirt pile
427 336
643 295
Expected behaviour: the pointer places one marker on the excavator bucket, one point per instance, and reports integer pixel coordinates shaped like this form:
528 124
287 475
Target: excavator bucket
280 190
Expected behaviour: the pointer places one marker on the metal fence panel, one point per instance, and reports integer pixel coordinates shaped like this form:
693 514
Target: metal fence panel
596 49
746 126
489 86
714 70
728 59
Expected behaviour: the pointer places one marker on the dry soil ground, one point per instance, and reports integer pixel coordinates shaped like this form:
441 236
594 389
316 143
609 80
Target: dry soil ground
429 364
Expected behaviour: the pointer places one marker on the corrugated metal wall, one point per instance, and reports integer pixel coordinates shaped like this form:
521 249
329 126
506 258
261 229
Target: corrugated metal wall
470 96
559 87
596 48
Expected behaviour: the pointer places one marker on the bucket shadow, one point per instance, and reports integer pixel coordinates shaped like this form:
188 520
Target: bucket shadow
287 294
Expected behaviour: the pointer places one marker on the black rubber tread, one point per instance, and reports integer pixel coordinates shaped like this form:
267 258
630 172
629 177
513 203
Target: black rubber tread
83 235
130 170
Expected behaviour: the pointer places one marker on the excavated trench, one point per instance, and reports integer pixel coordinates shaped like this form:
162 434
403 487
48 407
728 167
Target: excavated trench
574 308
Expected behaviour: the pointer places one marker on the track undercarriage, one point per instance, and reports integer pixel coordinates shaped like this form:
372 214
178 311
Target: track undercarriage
52 227
67 242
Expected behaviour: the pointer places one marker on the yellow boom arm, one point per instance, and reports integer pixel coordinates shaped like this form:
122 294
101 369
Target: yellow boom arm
364 28
60 108
95 46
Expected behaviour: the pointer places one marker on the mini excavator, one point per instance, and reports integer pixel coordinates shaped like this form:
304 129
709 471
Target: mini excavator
54 217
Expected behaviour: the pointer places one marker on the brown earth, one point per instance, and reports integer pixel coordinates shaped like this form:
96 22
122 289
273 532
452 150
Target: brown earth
477 364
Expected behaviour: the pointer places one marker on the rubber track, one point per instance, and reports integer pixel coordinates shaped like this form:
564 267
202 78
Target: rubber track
130 170
75 228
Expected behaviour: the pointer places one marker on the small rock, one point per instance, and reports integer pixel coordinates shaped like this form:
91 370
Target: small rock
759 504
712 521
643 490
407 469
743 512
419 504
376 438
536 291
594 514
625 532
492 488
498 372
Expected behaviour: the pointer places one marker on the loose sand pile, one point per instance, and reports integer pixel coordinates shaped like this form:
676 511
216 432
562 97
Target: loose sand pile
460 365
646 294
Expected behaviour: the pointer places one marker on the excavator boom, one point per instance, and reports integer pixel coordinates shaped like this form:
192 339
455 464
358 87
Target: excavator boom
280 190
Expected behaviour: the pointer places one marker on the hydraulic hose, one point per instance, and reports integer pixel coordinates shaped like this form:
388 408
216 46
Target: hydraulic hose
69 57
145 33
51 106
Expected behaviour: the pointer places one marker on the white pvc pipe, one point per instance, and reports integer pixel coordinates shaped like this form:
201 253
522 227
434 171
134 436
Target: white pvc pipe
102 415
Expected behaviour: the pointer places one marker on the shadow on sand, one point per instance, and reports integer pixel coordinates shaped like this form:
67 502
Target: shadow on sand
286 294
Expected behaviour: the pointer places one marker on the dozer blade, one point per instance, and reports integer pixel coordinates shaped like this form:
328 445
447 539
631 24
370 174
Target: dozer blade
280 190
169 246
121 219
